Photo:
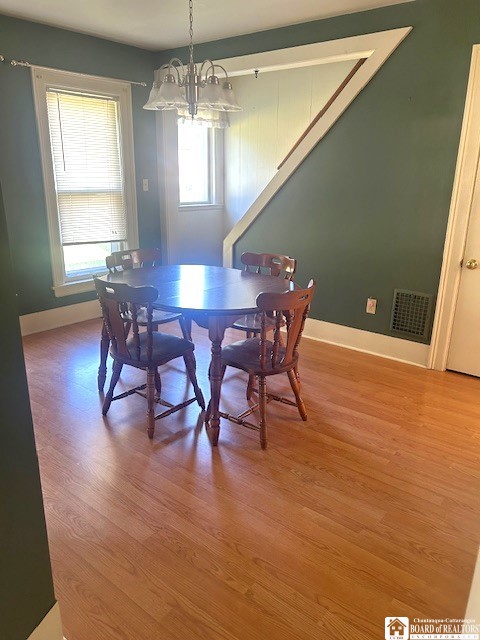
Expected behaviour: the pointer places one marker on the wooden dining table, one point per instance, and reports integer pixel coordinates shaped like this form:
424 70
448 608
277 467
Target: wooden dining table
214 297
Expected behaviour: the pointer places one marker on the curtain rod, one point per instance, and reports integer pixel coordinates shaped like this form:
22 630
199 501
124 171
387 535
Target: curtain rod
24 63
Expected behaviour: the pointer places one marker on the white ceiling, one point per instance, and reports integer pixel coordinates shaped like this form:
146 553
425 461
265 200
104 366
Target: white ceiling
163 24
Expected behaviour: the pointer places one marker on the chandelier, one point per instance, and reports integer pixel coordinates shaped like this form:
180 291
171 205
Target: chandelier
195 94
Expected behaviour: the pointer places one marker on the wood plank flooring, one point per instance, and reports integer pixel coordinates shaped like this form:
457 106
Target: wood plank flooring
369 509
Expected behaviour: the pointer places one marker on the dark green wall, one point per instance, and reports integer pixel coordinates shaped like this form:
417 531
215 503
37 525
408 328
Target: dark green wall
26 588
367 210
20 165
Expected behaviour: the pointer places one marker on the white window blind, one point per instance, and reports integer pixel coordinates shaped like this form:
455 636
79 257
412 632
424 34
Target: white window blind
87 162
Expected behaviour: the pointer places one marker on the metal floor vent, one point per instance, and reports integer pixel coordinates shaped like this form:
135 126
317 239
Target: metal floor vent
411 313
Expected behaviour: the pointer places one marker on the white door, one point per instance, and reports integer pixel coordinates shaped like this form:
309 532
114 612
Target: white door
464 350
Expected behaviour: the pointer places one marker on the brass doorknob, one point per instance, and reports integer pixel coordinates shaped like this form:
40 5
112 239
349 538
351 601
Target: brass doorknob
471 264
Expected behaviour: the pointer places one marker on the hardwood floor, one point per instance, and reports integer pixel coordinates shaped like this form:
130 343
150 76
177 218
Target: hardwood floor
369 509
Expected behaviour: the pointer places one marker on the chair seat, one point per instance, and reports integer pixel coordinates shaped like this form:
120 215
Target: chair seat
245 355
165 347
252 322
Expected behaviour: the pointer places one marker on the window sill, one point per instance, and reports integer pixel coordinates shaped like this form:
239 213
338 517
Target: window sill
200 207
71 288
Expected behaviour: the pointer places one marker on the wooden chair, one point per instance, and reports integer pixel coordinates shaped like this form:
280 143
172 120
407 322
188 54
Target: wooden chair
262 358
138 258
146 350
270 264
132 259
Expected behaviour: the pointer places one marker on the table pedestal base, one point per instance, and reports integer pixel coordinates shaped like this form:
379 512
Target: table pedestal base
216 326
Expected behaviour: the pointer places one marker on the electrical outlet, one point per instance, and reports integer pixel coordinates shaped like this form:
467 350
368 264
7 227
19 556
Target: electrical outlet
371 305
145 184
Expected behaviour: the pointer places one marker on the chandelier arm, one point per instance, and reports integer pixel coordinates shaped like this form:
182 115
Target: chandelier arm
177 67
211 65
180 63
222 68
164 67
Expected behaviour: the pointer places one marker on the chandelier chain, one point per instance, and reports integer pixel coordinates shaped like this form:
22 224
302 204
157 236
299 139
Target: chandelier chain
190 10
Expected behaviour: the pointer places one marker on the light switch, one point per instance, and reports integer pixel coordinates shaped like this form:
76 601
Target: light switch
145 184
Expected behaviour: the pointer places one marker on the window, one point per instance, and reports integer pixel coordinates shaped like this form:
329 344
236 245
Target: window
198 164
85 135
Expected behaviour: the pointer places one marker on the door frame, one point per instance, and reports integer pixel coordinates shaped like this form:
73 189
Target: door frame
172 213
457 227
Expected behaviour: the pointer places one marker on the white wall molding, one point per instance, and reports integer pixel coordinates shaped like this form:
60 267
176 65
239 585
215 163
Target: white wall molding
380 46
367 342
306 55
357 339
50 627
59 317
460 207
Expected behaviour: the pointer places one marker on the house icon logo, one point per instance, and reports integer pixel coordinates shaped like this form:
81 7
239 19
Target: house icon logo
397 629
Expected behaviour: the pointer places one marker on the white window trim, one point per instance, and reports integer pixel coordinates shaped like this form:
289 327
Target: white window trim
41 79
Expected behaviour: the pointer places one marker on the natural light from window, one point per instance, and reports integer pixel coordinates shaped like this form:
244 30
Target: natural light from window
83 259
193 163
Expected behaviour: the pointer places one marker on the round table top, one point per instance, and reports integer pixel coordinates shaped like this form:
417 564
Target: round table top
215 290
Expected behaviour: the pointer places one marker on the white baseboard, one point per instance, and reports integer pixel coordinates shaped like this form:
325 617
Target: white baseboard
367 342
50 627
59 317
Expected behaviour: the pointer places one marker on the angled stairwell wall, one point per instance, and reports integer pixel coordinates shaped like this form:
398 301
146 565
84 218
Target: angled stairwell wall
365 211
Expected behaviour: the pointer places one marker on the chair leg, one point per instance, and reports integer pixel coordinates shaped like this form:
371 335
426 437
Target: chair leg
249 334
102 369
151 402
158 383
297 375
208 411
296 390
262 402
250 385
186 327
190 366
117 369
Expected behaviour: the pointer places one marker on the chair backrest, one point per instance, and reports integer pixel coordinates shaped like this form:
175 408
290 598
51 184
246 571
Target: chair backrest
117 300
132 258
269 263
290 309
